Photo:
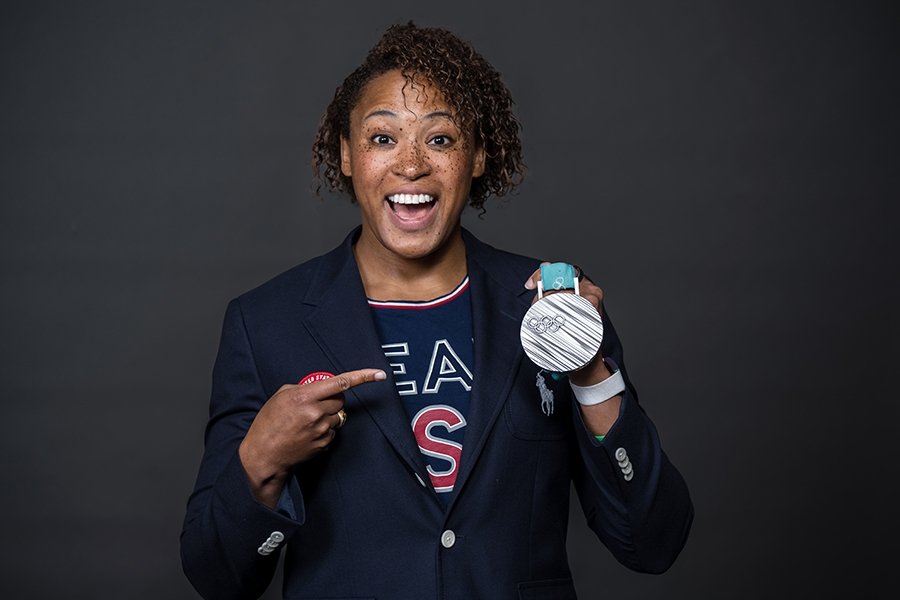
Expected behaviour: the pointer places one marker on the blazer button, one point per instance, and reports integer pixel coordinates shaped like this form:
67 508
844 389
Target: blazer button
621 455
448 538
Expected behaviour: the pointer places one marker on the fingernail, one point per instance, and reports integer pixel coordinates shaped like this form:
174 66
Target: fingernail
529 284
380 376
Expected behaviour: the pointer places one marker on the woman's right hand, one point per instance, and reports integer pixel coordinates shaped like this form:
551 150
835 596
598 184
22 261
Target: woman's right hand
295 424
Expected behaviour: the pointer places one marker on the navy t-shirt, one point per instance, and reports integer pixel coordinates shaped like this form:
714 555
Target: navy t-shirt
429 347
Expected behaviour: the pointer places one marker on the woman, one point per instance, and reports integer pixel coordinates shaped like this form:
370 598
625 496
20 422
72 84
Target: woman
372 409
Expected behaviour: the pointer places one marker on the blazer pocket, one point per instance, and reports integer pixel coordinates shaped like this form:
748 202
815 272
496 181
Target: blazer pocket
527 413
548 589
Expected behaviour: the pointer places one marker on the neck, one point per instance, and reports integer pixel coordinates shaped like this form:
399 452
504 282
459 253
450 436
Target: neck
388 276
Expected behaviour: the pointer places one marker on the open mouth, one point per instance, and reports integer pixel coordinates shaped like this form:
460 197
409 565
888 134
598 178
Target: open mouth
411 207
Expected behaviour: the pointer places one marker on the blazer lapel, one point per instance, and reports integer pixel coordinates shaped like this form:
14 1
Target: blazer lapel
499 303
343 328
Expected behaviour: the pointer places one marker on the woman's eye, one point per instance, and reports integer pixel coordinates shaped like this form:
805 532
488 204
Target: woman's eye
381 139
441 140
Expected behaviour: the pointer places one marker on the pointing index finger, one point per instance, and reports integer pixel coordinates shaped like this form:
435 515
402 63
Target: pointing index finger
344 381
335 384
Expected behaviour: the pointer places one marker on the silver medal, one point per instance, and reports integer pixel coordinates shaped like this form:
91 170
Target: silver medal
561 332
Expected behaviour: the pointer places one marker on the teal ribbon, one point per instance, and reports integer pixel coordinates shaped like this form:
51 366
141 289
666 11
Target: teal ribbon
558 276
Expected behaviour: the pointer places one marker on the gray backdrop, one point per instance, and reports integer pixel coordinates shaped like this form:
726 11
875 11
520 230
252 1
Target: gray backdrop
727 171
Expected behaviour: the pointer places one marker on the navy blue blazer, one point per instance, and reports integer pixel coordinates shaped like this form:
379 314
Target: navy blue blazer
361 520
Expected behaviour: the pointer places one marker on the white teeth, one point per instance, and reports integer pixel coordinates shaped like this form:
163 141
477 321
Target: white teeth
410 198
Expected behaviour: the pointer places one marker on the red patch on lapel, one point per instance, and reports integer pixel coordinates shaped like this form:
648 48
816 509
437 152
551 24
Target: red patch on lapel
317 376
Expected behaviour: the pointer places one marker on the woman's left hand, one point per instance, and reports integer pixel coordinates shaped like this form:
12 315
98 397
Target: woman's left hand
596 370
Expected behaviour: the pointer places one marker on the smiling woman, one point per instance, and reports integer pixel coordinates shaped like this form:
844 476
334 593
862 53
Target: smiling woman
446 474
411 167
477 99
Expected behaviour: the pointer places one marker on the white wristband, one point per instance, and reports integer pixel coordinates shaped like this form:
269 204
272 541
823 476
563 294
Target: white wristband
599 392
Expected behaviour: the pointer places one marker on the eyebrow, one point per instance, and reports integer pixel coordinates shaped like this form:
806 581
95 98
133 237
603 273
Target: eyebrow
389 113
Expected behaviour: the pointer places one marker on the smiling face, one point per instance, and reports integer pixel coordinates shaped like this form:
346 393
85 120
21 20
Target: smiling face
411 168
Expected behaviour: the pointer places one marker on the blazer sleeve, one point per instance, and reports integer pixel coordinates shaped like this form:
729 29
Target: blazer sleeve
230 542
634 499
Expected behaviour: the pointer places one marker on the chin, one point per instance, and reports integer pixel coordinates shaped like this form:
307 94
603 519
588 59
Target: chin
414 250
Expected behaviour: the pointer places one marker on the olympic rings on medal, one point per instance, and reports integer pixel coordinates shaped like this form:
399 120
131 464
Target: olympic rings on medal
545 324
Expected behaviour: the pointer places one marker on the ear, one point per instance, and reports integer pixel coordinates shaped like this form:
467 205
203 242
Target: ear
345 157
478 162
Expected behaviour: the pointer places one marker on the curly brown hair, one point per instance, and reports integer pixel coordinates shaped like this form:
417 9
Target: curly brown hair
469 84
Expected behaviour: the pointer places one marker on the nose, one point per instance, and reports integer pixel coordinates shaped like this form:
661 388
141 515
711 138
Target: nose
412 161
